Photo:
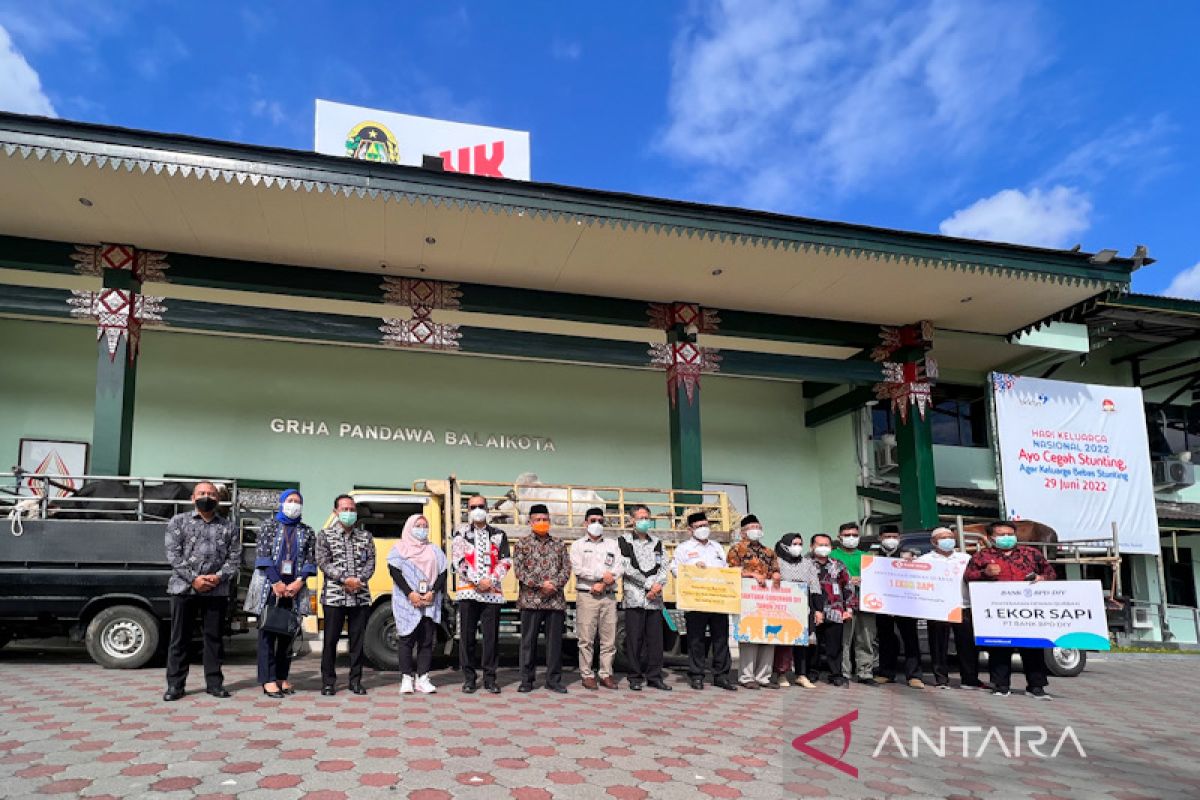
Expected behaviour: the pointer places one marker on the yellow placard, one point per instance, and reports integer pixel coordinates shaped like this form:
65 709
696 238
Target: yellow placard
715 589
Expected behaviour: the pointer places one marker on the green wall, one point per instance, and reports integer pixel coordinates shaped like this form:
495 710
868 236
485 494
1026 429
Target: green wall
205 404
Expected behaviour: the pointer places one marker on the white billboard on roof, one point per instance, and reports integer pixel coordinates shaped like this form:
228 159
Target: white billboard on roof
387 137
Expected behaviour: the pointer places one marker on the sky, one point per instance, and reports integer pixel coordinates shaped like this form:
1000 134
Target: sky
1052 123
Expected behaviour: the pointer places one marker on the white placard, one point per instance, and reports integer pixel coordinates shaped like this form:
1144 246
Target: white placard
1076 457
385 136
921 589
1044 614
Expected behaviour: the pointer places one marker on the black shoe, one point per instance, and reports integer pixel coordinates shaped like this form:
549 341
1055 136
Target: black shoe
838 681
524 688
635 686
357 688
999 691
724 683
558 689
328 690
747 686
470 688
275 694
868 682
658 684
695 683
171 695
1039 693
491 688
219 691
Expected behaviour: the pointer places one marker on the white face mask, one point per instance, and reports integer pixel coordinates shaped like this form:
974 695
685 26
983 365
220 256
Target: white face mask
890 544
292 510
702 533
794 550
822 550
595 529
477 515
754 534
946 545
421 534
850 542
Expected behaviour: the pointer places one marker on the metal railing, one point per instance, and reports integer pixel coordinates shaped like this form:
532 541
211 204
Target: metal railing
568 503
48 496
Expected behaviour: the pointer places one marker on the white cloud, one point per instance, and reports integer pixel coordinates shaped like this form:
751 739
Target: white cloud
1132 144
269 109
783 101
1046 218
164 50
563 50
1186 284
20 86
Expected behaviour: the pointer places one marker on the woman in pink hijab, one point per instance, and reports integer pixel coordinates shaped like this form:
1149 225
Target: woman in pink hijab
418 569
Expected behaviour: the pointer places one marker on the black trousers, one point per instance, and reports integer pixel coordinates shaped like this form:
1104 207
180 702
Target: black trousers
473 615
274 657
184 608
355 619
717 628
964 645
533 620
827 652
644 643
422 638
894 632
1032 661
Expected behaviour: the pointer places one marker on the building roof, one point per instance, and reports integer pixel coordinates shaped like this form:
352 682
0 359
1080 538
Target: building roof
184 194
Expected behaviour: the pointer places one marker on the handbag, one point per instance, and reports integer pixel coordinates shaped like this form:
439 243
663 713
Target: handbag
279 620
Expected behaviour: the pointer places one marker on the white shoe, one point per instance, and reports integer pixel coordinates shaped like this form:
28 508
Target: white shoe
782 680
424 685
804 682
406 685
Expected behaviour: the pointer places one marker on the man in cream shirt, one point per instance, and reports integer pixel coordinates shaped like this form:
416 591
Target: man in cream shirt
597 565
945 548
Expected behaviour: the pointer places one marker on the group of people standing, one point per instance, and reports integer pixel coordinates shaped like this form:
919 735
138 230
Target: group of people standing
845 641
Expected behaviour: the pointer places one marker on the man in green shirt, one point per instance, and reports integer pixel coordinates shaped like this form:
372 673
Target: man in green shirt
859 630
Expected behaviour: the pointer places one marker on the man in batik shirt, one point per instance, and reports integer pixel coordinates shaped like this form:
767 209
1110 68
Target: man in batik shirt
758 562
543 566
481 560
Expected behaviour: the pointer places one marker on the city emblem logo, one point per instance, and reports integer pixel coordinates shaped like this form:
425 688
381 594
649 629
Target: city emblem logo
872 602
372 141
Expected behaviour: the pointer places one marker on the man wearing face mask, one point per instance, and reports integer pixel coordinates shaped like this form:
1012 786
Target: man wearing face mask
1006 560
700 551
204 551
645 576
481 559
858 650
346 557
758 562
543 567
895 632
597 565
945 550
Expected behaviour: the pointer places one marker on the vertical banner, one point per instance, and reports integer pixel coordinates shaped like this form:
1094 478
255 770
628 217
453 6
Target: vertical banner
1076 457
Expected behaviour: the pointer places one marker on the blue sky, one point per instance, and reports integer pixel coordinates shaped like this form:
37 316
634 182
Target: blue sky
1049 123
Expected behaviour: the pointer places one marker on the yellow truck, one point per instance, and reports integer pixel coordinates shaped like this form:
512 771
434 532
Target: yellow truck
443 501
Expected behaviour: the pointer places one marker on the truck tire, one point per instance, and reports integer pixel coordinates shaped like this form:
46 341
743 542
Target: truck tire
122 637
381 643
1065 663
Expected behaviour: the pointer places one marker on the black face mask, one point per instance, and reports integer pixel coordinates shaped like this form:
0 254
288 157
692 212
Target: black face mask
206 505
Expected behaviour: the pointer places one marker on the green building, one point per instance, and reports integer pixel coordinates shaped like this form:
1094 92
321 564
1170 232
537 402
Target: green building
190 307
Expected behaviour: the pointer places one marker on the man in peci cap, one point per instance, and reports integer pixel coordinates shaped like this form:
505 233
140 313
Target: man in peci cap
543 567
701 552
758 562
597 564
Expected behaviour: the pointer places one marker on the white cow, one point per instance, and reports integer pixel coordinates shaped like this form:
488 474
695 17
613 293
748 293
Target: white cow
529 491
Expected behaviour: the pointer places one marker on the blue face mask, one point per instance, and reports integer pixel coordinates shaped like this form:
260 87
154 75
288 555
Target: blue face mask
643 525
945 545
348 518
1006 541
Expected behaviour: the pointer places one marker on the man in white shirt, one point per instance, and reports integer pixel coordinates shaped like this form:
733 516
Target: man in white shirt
597 565
945 547
701 552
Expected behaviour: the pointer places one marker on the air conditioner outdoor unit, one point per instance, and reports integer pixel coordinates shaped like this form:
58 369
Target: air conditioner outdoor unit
1142 618
1173 473
885 458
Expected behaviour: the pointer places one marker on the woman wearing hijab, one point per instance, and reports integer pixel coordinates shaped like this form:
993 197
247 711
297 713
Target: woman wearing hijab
418 569
794 567
286 558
